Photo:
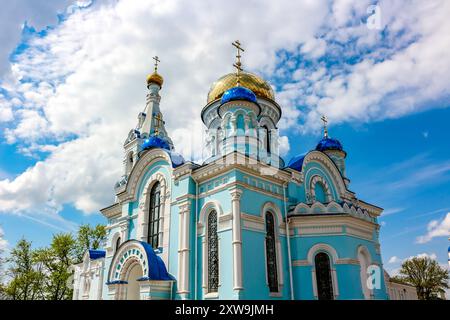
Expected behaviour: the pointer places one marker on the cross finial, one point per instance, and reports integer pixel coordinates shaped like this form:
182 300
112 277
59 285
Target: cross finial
158 122
156 62
325 129
238 64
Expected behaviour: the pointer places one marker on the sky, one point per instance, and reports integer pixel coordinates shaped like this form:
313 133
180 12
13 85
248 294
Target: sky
72 82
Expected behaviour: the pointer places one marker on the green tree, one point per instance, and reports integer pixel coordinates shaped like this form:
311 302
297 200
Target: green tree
89 238
2 265
26 276
429 278
55 262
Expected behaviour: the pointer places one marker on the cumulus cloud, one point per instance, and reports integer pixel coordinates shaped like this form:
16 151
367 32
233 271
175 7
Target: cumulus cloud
74 91
435 229
3 242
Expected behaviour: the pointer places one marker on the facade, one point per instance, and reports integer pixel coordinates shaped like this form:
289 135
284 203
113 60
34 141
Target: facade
399 291
241 225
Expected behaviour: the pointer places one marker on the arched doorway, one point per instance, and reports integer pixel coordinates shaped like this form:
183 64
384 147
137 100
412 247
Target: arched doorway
133 290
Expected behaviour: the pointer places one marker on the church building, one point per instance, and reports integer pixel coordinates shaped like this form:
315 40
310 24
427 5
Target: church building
243 224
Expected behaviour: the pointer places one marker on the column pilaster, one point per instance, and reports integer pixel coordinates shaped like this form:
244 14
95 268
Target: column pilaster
237 239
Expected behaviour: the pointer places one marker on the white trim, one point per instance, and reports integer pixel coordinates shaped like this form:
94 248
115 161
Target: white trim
271 208
205 253
164 209
365 260
312 186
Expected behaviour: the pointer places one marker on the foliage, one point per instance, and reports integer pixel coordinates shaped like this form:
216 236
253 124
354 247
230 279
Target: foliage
89 238
45 273
25 273
429 278
56 261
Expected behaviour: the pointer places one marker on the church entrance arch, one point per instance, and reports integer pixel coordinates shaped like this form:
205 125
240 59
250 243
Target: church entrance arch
133 289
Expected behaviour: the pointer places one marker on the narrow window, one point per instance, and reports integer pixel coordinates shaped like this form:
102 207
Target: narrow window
323 277
117 243
271 256
267 138
154 216
213 253
130 160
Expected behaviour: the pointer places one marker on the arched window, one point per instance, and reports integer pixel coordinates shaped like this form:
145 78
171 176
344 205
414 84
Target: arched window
117 243
266 138
320 194
323 277
213 253
271 255
364 262
154 216
130 160
240 124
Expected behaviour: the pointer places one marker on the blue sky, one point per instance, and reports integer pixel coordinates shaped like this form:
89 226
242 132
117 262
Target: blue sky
69 95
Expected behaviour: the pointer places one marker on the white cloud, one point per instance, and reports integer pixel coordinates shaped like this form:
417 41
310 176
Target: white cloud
394 259
88 80
435 229
3 242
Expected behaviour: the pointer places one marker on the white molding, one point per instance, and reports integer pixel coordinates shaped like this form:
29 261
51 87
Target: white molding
365 260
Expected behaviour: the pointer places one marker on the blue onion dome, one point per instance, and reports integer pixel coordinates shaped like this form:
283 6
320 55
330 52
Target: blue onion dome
155 142
238 93
296 162
328 143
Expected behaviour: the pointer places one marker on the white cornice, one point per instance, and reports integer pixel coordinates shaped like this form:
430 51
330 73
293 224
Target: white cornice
112 211
236 160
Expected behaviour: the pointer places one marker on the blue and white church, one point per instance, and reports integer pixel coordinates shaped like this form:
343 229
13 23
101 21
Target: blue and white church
244 224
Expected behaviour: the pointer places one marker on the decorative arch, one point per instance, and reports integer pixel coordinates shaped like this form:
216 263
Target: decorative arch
315 179
365 260
206 209
270 206
317 207
138 172
334 173
114 239
322 247
334 207
266 121
136 252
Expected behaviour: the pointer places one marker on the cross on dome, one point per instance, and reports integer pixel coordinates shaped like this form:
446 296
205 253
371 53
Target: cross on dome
156 62
238 64
158 122
325 121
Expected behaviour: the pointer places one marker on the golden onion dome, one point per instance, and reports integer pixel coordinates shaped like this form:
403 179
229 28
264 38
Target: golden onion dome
155 78
258 85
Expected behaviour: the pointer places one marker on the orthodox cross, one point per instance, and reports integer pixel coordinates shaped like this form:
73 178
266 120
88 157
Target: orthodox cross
238 64
325 130
156 62
158 122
